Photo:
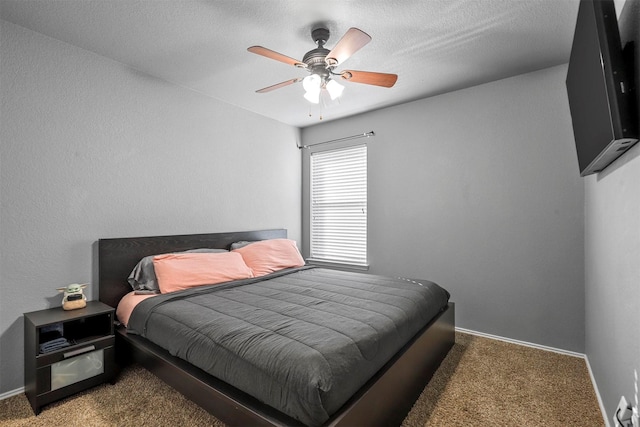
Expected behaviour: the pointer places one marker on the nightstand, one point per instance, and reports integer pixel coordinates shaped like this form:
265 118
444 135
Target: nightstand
67 351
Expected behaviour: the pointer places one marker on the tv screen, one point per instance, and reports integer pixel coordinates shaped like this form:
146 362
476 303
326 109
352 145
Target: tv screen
602 108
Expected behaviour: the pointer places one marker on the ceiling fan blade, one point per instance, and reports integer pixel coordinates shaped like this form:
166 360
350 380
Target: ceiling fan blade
352 41
259 50
369 78
278 85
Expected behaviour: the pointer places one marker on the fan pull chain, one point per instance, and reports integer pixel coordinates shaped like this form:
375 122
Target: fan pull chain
319 115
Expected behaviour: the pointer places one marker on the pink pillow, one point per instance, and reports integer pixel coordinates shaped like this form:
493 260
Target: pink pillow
267 256
180 271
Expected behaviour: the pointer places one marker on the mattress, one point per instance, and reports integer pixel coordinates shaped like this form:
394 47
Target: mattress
302 340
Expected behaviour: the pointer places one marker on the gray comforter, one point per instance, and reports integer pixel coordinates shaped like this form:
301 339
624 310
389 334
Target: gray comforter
301 340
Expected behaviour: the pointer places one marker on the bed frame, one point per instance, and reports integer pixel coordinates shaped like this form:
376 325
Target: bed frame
384 400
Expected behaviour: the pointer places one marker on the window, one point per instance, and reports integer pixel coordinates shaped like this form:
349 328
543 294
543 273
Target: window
339 206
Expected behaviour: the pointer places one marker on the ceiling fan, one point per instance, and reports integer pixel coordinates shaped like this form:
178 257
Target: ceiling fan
321 63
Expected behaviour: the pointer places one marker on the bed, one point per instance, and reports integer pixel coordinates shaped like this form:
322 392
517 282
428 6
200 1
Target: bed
384 399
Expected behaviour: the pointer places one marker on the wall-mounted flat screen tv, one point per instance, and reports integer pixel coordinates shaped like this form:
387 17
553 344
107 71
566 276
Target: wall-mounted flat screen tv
599 82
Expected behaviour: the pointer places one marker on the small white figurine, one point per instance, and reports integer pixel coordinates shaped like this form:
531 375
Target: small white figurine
73 297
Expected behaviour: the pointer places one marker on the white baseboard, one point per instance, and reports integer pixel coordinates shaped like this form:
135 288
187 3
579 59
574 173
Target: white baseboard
11 393
595 388
555 350
524 343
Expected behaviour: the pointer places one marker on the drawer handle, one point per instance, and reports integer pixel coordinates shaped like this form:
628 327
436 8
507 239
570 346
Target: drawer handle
79 351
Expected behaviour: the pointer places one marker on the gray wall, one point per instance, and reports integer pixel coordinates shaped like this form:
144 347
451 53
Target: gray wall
478 190
612 259
93 149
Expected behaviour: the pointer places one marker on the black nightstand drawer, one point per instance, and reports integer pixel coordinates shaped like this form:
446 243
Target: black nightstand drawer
73 370
68 352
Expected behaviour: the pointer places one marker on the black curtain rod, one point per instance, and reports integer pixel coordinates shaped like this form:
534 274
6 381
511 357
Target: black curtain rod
346 138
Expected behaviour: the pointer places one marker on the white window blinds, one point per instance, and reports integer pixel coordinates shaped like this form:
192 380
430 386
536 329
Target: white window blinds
339 205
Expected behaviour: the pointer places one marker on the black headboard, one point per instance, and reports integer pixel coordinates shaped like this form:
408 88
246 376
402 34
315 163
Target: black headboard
117 257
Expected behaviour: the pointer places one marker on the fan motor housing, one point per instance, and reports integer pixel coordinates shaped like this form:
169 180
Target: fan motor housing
316 57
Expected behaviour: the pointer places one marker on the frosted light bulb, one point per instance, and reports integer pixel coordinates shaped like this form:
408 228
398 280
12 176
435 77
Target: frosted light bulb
312 83
335 89
313 96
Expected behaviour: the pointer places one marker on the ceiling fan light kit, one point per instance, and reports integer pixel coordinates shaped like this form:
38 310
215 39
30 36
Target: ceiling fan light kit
313 85
321 62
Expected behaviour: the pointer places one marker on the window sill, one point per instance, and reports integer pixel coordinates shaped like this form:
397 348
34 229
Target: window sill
337 265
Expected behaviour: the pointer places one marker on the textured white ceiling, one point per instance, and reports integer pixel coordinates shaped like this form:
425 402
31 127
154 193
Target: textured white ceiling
434 46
